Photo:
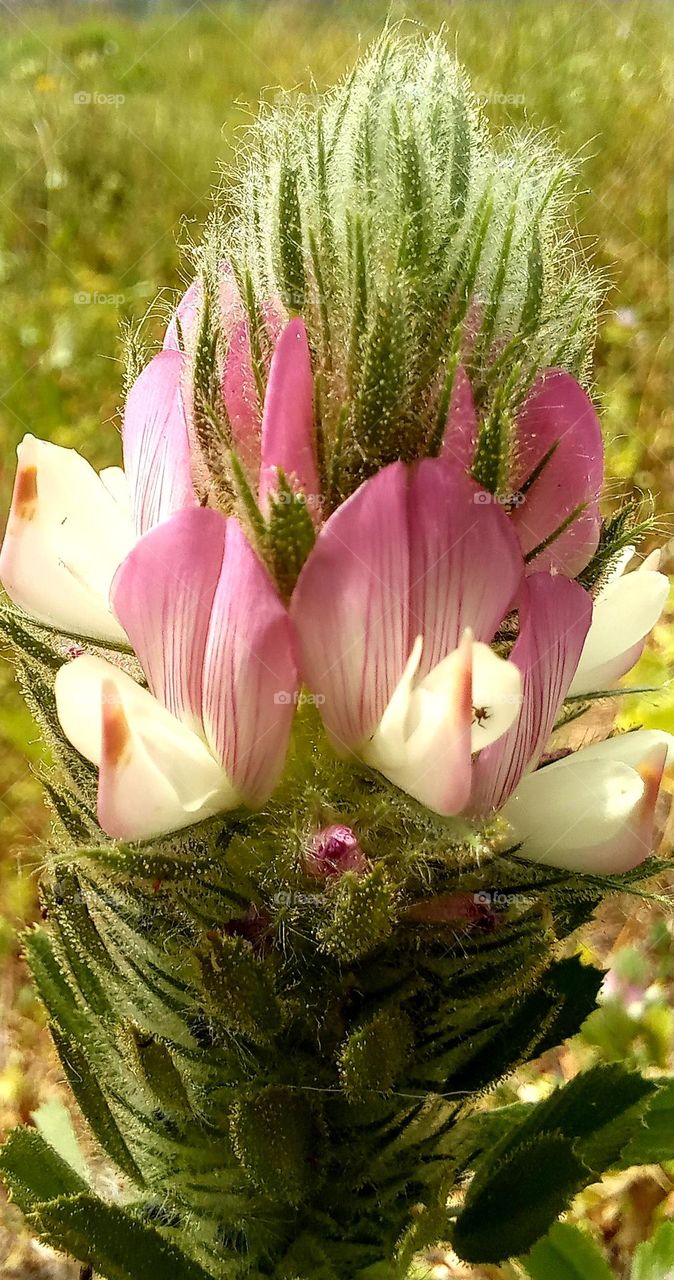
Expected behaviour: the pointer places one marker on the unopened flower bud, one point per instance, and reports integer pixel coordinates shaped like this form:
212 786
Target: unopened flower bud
334 851
471 910
253 927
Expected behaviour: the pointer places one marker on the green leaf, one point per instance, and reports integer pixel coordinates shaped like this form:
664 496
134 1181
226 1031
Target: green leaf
275 1138
380 400
240 989
586 1121
31 640
290 533
654 1140
71 1029
597 1110
363 913
290 245
375 1054
537 1022
54 1122
461 159
108 1239
654 1259
515 1205
566 1253
33 1171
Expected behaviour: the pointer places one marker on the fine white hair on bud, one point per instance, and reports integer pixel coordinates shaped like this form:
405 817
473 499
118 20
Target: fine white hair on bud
411 243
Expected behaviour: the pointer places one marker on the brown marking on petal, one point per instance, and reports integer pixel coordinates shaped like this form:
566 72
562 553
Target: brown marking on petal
465 677
650 771
116 732
25 493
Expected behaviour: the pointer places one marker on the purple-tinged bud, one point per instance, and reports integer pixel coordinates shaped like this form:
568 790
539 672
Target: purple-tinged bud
470 910
333 851
253 927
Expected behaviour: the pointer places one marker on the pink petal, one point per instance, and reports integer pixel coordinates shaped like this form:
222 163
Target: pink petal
156 443
555 616
350 607
214 641
558 415
465 561
250 673
186 316
288 419
415 551
188 311
242 401
165 589
460 436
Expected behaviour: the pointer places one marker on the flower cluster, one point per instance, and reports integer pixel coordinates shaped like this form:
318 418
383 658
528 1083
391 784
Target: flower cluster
438 627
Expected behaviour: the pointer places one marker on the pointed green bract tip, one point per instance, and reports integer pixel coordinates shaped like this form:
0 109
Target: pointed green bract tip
410 241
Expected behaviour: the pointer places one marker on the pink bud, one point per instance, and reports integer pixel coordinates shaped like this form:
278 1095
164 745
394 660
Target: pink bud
334 851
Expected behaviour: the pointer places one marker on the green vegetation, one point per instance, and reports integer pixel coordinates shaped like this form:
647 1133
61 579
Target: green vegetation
111 133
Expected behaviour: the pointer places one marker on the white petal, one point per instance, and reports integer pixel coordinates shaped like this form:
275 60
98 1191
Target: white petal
624 558
623 614
422 743
65 538
156 775
497 696
387 749
428 731
630 748
592 811
117 485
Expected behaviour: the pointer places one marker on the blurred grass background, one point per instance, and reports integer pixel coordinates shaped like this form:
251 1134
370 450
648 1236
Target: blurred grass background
112 124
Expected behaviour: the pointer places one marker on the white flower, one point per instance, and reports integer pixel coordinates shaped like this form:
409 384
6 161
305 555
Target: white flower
624 612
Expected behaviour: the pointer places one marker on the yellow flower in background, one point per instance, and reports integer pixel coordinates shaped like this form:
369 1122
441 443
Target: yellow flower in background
46 84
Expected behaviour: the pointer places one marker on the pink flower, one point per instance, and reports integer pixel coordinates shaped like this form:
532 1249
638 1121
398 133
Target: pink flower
556 471
397 609
210 732
69 528
400 613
